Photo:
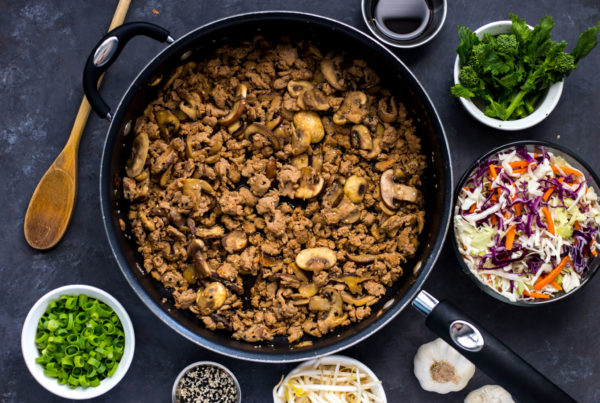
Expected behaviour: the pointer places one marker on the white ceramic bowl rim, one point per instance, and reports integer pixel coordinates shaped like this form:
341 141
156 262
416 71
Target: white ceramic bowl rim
545 107
333 360
30 351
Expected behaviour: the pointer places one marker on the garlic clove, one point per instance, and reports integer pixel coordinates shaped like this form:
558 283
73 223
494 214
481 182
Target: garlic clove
489 394
441 369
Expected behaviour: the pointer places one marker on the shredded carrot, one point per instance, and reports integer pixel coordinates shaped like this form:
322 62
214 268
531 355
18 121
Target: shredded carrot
534 294
547 194
566 170
577 226
520 171
510 237
467 189
518 164
556 285
155 11
493 172
506 215
549 221
494 220
542 282
472 209
550 190
518 209
592 249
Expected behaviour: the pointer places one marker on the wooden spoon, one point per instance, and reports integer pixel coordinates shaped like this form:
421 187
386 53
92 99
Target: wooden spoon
51 206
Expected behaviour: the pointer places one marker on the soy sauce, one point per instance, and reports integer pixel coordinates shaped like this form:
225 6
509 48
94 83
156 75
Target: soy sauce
403 19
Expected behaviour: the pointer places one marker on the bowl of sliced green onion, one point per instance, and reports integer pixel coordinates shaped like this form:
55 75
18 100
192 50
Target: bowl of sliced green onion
77 341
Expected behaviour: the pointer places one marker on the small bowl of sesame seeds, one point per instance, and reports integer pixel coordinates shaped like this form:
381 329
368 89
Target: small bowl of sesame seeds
206 381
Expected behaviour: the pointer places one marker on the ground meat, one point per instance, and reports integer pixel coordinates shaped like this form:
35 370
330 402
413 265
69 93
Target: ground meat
220 214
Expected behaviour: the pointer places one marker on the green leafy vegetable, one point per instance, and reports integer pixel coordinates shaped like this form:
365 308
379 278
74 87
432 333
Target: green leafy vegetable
80 341
510 72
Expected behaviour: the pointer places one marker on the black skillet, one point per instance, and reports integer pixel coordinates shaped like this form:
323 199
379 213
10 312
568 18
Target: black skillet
474 342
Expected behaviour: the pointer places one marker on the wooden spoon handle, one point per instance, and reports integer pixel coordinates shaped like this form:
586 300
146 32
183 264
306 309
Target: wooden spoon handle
51 205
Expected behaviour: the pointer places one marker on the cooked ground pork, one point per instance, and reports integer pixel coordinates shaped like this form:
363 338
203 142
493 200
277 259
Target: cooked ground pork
257 192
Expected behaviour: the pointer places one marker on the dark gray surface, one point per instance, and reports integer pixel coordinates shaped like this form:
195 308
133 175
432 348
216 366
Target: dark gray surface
43 46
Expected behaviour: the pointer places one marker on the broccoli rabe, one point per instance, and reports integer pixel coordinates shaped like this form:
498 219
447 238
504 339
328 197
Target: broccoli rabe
507 44
509 72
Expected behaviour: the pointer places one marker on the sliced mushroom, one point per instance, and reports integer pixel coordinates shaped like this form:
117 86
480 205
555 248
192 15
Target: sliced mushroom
229 284
392 192
214 232
311 184
318 303
334 193
375 150
196 186
154 81
189 274
164 161
168 123
211 297
387 113
300 161
360 137
366 300
235 241
352 282
355 188
350 108
386 210
271 169
310 123
335 316
235 128
165 177
191 104
300 141
299 273
296 88
349 211
307 290
200 265
216 144
317 160
265 131
268 260
315 99
273 123
139 153
146 222
332 71
316 259
238 107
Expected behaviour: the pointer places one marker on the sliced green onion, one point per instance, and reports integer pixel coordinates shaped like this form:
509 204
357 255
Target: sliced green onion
80 341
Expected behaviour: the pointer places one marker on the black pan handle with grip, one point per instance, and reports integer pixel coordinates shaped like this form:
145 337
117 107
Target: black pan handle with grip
487 353
106 52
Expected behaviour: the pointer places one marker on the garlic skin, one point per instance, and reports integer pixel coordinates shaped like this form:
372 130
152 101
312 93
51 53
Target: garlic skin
489 394
441 369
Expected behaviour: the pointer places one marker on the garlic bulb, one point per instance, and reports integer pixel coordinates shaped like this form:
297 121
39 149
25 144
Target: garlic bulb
440 368
489 394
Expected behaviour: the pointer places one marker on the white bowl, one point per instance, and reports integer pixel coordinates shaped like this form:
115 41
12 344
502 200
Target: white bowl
30 351
544 107
278 396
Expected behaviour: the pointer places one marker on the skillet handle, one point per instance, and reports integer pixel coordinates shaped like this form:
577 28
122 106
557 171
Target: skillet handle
488 353
106 52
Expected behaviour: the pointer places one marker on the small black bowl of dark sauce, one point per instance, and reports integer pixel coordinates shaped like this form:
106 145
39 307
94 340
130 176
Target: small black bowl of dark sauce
404 23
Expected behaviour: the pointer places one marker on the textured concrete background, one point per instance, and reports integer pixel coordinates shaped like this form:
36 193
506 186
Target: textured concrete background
43 46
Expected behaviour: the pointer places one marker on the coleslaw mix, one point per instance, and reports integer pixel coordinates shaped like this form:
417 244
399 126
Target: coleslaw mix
526 223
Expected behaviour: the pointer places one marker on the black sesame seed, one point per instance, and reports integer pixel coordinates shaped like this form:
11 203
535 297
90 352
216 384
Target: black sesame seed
206 383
